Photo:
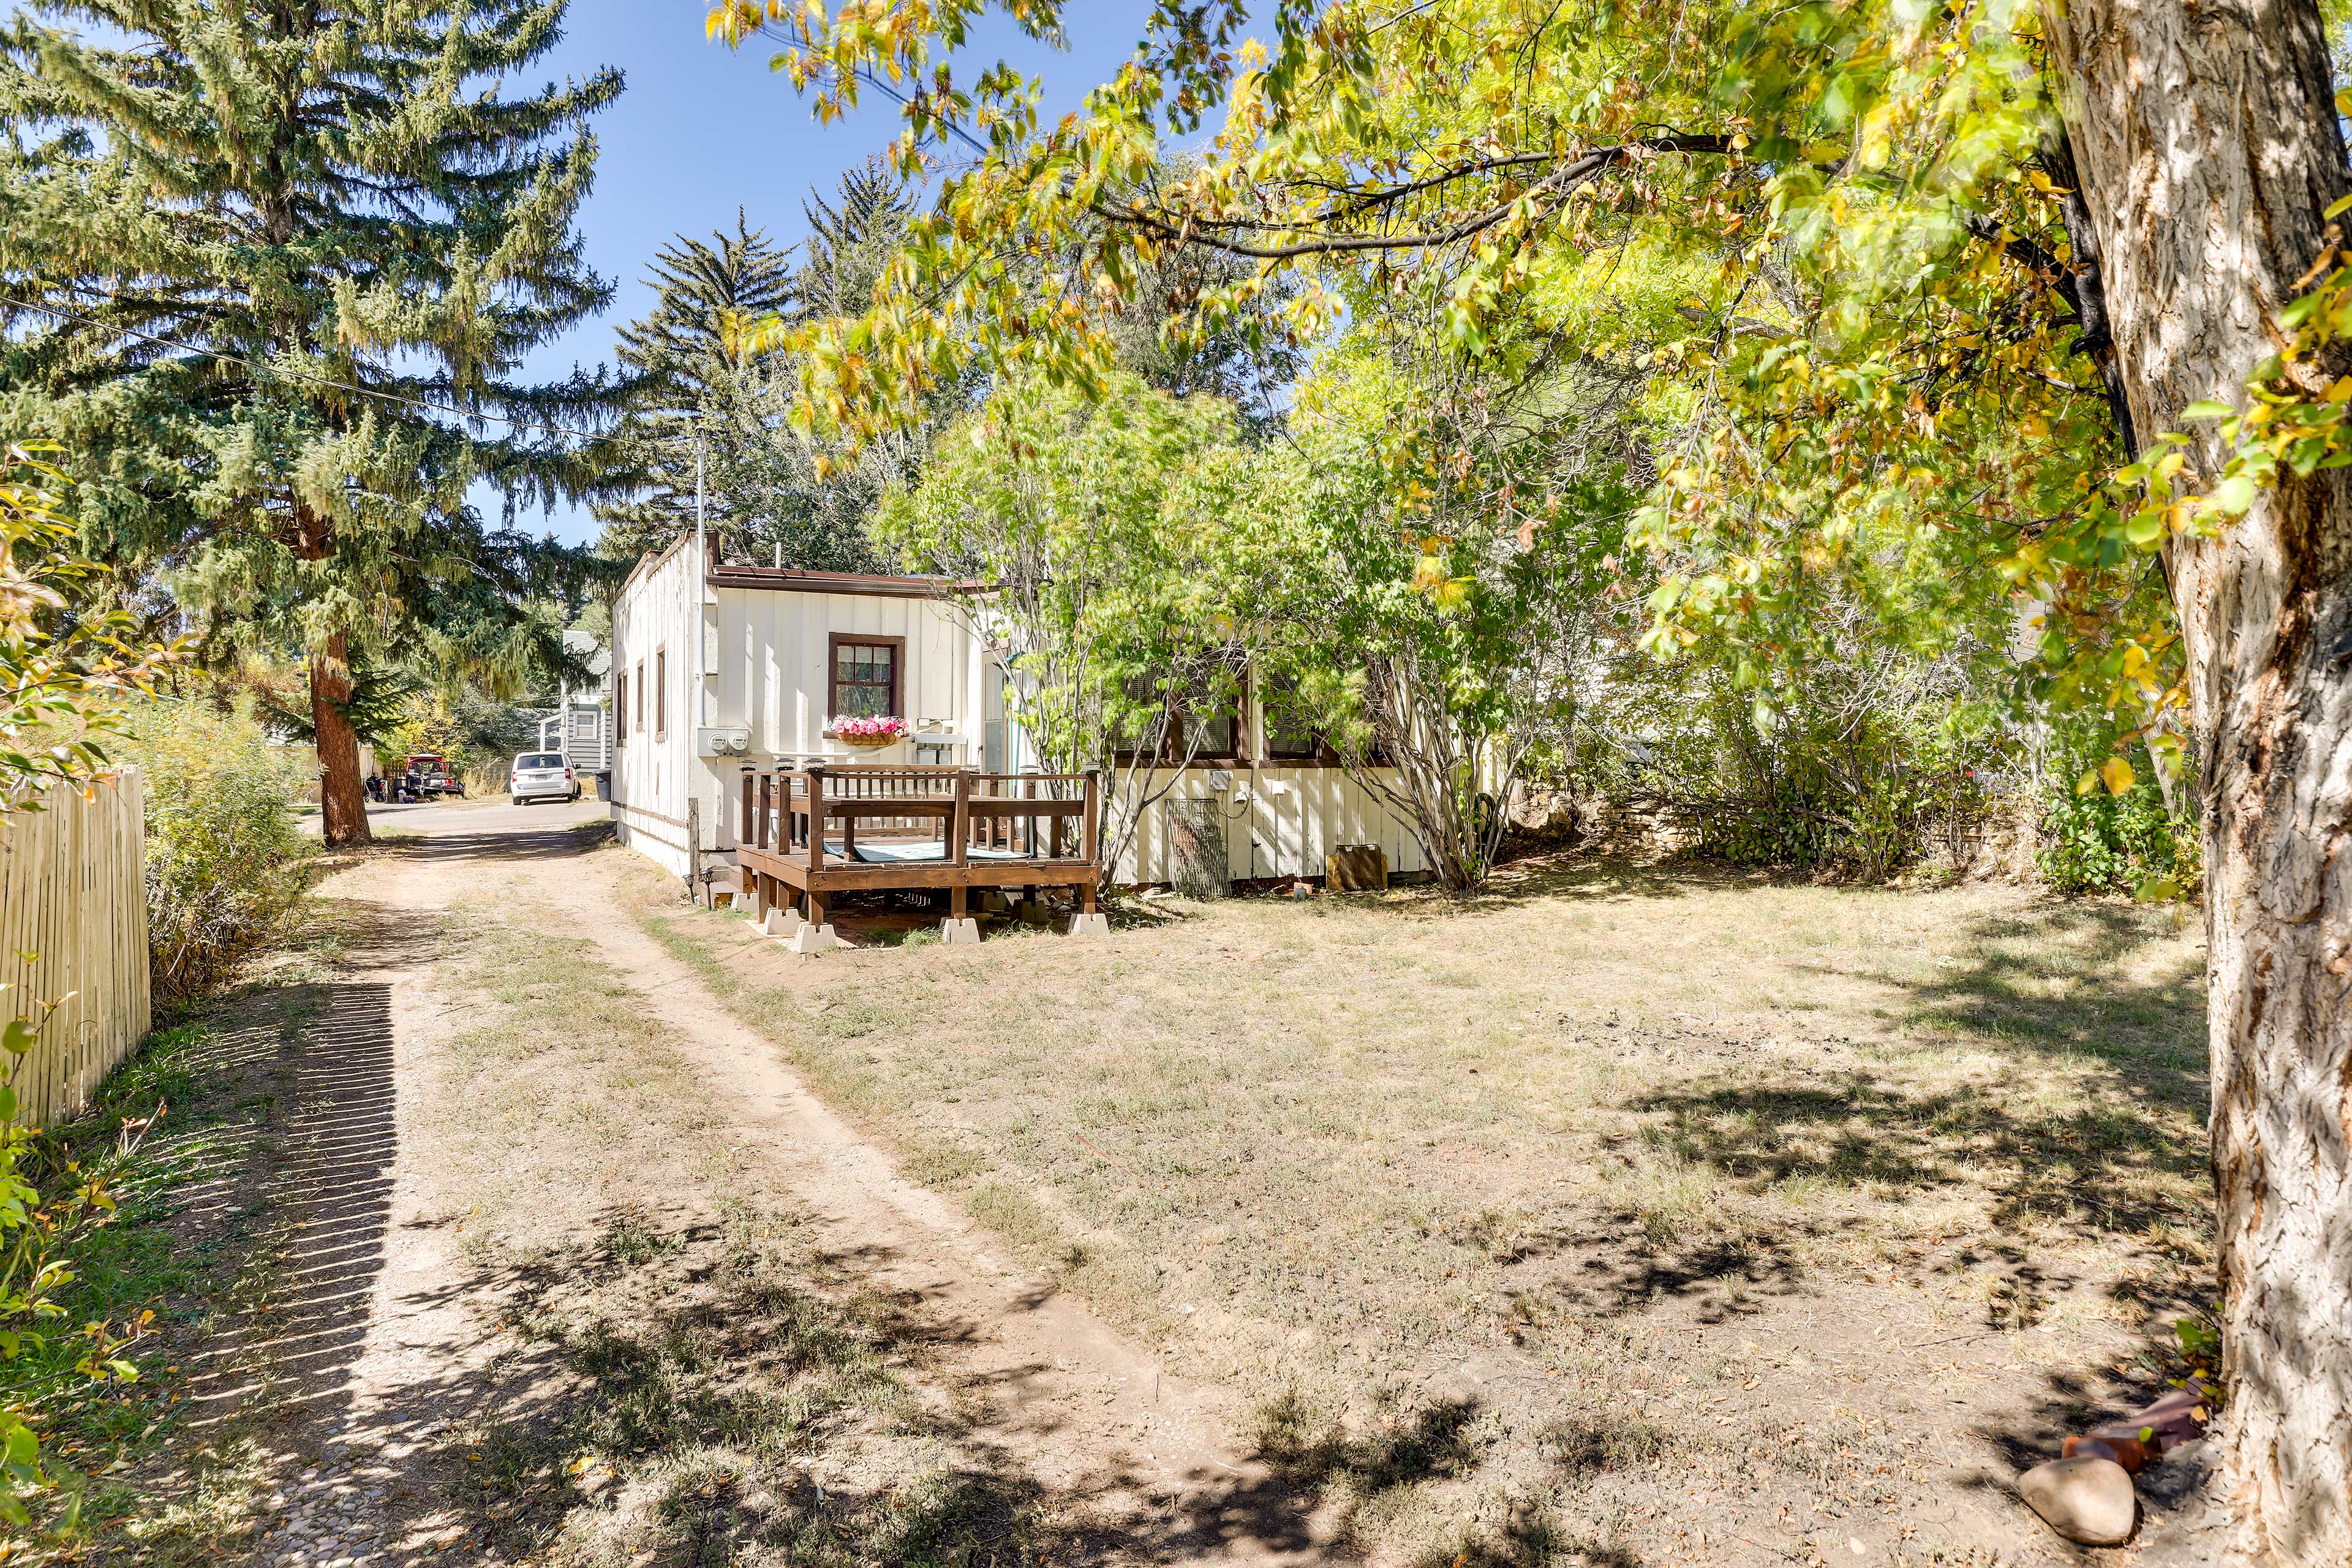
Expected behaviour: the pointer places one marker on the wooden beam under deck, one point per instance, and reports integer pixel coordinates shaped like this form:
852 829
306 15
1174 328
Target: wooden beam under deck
782 854
838 875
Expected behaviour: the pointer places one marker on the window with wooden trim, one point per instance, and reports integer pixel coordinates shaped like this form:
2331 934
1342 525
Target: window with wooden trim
641 697
1282 720
661 692
868 677
1219 737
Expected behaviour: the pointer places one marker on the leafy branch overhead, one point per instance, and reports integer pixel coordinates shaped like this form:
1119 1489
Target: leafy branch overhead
1827 241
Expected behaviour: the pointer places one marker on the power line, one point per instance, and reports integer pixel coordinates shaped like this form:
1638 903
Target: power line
450 409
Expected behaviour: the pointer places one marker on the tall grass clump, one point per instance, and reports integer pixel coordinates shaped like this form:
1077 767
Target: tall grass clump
225 863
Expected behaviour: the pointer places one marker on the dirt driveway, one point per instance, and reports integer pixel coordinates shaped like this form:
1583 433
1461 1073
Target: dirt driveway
576 1269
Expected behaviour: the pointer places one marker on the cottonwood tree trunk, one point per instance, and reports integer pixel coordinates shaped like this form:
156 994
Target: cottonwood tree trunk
2209 149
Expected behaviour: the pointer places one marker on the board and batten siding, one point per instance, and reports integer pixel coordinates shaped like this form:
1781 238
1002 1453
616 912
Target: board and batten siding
775 672
654 770
73 895
1291 819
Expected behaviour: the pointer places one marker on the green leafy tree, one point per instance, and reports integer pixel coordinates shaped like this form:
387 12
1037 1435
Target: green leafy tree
69 659
270 274
1430 577
1966 260
1096 530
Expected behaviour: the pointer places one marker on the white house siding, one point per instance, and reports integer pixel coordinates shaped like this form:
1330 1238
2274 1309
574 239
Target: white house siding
655 775
774 672
767 669
1291 819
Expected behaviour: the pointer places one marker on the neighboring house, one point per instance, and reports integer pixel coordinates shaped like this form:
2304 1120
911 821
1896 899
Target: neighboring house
715 666
581 726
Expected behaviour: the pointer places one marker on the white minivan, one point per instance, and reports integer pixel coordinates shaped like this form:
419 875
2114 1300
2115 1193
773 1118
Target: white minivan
541 775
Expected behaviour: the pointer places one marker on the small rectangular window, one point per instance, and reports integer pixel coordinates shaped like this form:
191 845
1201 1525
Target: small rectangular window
1282 719
661 692
641 696
867 677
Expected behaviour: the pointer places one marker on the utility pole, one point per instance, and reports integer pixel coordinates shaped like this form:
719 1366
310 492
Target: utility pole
700 579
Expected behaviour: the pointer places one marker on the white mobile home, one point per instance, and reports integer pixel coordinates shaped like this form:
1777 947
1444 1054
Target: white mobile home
716 666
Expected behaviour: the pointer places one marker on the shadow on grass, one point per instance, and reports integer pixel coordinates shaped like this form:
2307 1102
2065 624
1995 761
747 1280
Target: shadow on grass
2088 1122
1528 1539
1315 1451
2050 979
716 1408
1439 1442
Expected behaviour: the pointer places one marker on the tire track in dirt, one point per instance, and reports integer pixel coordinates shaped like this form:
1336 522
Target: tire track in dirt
1094 1419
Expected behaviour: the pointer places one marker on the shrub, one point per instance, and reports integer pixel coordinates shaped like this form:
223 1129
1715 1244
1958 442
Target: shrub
225 863
2099 842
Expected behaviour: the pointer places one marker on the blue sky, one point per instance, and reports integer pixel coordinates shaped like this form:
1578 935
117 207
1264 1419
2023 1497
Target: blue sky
702 129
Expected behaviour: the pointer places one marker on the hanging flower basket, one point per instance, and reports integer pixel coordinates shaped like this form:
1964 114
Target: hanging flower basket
869 734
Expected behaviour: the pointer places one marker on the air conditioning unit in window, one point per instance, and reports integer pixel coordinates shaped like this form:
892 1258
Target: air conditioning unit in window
727 741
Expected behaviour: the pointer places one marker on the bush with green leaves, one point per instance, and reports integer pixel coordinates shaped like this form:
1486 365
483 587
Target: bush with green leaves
2094 840
53 1348
225 863
1875 764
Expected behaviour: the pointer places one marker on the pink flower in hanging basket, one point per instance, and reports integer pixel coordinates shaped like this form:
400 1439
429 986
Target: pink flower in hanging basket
868 731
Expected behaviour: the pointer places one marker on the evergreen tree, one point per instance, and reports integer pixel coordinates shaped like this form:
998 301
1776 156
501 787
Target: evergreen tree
707 351
851 241
689 365
270 271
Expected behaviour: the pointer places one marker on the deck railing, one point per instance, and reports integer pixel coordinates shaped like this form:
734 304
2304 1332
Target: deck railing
1030 816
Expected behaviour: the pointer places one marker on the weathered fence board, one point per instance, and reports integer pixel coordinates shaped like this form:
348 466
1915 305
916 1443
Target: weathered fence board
73 925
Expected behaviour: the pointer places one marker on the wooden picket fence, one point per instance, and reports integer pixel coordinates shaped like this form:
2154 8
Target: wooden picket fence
73 925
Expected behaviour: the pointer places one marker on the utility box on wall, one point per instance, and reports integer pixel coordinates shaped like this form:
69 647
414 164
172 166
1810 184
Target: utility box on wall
1356 869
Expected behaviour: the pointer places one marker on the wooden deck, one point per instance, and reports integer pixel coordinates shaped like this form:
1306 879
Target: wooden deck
807 835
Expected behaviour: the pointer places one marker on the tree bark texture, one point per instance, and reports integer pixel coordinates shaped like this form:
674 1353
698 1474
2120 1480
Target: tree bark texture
342 793
2207 138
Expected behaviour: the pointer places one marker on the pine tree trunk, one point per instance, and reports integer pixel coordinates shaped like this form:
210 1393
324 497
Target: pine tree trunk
342 793
2209 147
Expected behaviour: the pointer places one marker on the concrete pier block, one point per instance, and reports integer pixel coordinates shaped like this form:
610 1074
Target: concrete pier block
1090 925
955 934
813 939
782 921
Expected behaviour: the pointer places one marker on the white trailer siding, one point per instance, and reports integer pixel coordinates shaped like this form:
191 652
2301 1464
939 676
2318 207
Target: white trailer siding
766 641
654 770
774 671
1279 822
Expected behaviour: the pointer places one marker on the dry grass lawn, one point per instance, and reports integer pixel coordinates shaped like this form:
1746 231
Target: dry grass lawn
1622 1215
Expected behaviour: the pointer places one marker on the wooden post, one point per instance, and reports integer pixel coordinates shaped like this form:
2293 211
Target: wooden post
960 828
694 850
1090 830
744 836
767 796
815 821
